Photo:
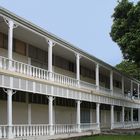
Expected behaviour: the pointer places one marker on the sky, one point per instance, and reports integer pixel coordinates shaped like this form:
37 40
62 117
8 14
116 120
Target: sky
84 23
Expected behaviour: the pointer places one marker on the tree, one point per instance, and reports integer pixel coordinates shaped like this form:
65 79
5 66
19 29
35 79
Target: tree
129 68
125 30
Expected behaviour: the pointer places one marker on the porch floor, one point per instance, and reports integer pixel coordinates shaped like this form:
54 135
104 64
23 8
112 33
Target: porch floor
58 137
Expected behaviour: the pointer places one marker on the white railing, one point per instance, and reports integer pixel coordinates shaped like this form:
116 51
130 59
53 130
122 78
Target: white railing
59 78
87 85
89 126
64 128
3 131
105 90
40 73
126 125
30 130
37 130
36 72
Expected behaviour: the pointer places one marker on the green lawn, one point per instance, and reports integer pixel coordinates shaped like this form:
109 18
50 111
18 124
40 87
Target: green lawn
111 137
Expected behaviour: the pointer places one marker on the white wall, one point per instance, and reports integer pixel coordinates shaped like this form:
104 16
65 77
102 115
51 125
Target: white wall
92 116
16 56
105 118
3 112
65 115
20 113
64 72
39 114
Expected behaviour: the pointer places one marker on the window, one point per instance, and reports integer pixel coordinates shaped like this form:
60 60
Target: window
71 67
19 47
32 52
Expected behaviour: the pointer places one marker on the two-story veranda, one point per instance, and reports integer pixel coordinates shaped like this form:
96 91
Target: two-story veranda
50 87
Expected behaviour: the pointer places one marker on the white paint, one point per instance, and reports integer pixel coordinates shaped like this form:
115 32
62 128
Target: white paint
131 115
139 115
122 85
51 114
98 114
9 113
10 39
111 81
78 116
78 67
50 46
123 111
97 76
112 116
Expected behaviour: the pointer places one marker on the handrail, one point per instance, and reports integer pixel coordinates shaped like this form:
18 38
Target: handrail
40 73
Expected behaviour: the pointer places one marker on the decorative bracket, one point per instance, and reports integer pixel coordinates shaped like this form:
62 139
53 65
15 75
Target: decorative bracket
7 22
77 54
49 41
5 90
53 97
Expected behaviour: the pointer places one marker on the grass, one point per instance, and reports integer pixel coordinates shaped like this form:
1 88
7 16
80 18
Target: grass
113 137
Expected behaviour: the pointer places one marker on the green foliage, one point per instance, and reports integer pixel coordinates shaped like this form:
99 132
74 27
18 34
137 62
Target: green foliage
125 30
129 68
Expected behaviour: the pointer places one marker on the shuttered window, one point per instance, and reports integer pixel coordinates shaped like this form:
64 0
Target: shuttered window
20 47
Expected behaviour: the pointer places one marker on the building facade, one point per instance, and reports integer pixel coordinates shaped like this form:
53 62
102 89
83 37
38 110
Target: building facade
50 87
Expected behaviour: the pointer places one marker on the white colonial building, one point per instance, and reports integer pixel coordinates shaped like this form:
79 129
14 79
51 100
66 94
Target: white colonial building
50 87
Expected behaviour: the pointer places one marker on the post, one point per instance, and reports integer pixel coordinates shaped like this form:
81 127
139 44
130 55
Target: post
111 81
131 88
78 68
29 109
97 76
50 54
122 85
132 115
10 42
138 90
112 116
98 114
123 111
139 116
9 113
78 116
51 114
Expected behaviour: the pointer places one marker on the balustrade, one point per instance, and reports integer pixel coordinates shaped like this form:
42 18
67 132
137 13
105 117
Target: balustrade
40 73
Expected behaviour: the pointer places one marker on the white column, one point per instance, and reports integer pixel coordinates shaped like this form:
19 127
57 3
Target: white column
97 76
29 109
122 85
111 81
138 90
123 111
51 114
112 116
78 68
78 116
98 114
50 54
131 88
10 42
131 115
9 113
139 115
